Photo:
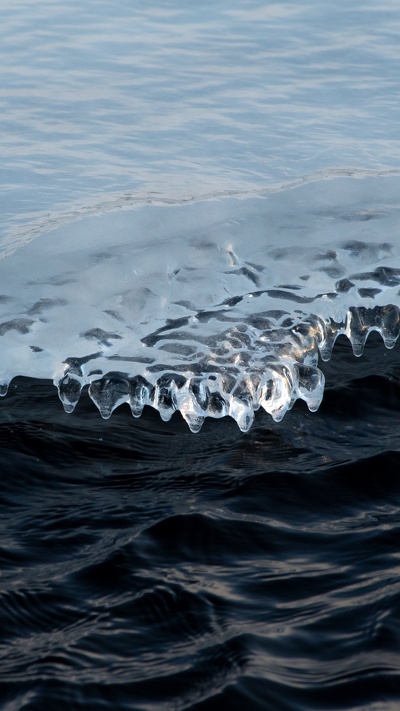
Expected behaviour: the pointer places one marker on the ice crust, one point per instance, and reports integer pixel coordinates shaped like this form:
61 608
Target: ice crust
213 308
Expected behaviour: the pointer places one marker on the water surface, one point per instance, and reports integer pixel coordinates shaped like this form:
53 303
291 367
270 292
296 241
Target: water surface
199 202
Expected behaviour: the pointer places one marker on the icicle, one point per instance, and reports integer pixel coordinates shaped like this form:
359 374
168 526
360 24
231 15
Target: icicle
69 392
139 395
310 385
108 393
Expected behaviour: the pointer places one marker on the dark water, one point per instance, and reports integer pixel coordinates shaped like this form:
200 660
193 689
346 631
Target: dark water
144 567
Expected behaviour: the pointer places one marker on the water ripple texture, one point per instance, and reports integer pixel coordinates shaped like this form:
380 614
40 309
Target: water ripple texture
199 226
144 568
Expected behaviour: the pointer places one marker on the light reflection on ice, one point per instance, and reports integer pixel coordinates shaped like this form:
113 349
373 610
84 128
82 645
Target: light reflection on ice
212 308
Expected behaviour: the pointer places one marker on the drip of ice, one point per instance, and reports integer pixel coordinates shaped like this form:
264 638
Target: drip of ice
213 308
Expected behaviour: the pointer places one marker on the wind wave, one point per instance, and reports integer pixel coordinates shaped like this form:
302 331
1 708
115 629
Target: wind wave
212 308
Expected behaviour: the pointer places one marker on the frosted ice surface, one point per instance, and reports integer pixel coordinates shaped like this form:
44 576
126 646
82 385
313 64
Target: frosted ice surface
213 308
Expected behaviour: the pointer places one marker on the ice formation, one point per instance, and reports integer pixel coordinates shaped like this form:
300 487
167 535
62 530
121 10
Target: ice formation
216 307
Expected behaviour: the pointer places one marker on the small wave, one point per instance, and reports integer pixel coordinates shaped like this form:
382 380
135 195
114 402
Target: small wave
212 308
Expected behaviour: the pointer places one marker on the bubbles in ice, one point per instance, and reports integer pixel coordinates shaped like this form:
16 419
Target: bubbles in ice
215 308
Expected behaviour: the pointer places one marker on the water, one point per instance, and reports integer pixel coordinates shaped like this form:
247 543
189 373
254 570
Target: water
200 222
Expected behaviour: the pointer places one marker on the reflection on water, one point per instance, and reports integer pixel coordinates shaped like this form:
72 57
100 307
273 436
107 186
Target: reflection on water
175 100
143 567
255 149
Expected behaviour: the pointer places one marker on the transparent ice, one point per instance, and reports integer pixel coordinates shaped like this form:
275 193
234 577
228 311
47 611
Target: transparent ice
213 307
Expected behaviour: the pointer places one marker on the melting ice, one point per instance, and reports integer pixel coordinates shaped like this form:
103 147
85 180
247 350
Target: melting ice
214 307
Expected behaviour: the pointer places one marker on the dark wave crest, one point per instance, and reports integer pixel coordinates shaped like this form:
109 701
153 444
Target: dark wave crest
158 570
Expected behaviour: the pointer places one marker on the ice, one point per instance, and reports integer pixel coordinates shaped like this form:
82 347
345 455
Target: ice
211 308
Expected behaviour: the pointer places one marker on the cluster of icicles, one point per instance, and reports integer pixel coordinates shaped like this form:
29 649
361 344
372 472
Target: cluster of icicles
274 382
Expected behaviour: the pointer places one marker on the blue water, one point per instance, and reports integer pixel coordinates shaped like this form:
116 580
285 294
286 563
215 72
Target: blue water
200 181
101 103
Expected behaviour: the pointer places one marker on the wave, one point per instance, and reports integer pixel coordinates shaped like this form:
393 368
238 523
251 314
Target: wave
214 307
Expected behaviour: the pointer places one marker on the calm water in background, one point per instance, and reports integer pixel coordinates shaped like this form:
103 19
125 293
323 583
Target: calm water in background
101 103
142 566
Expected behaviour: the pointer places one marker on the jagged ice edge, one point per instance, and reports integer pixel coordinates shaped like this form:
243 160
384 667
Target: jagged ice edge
275 388
236 392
